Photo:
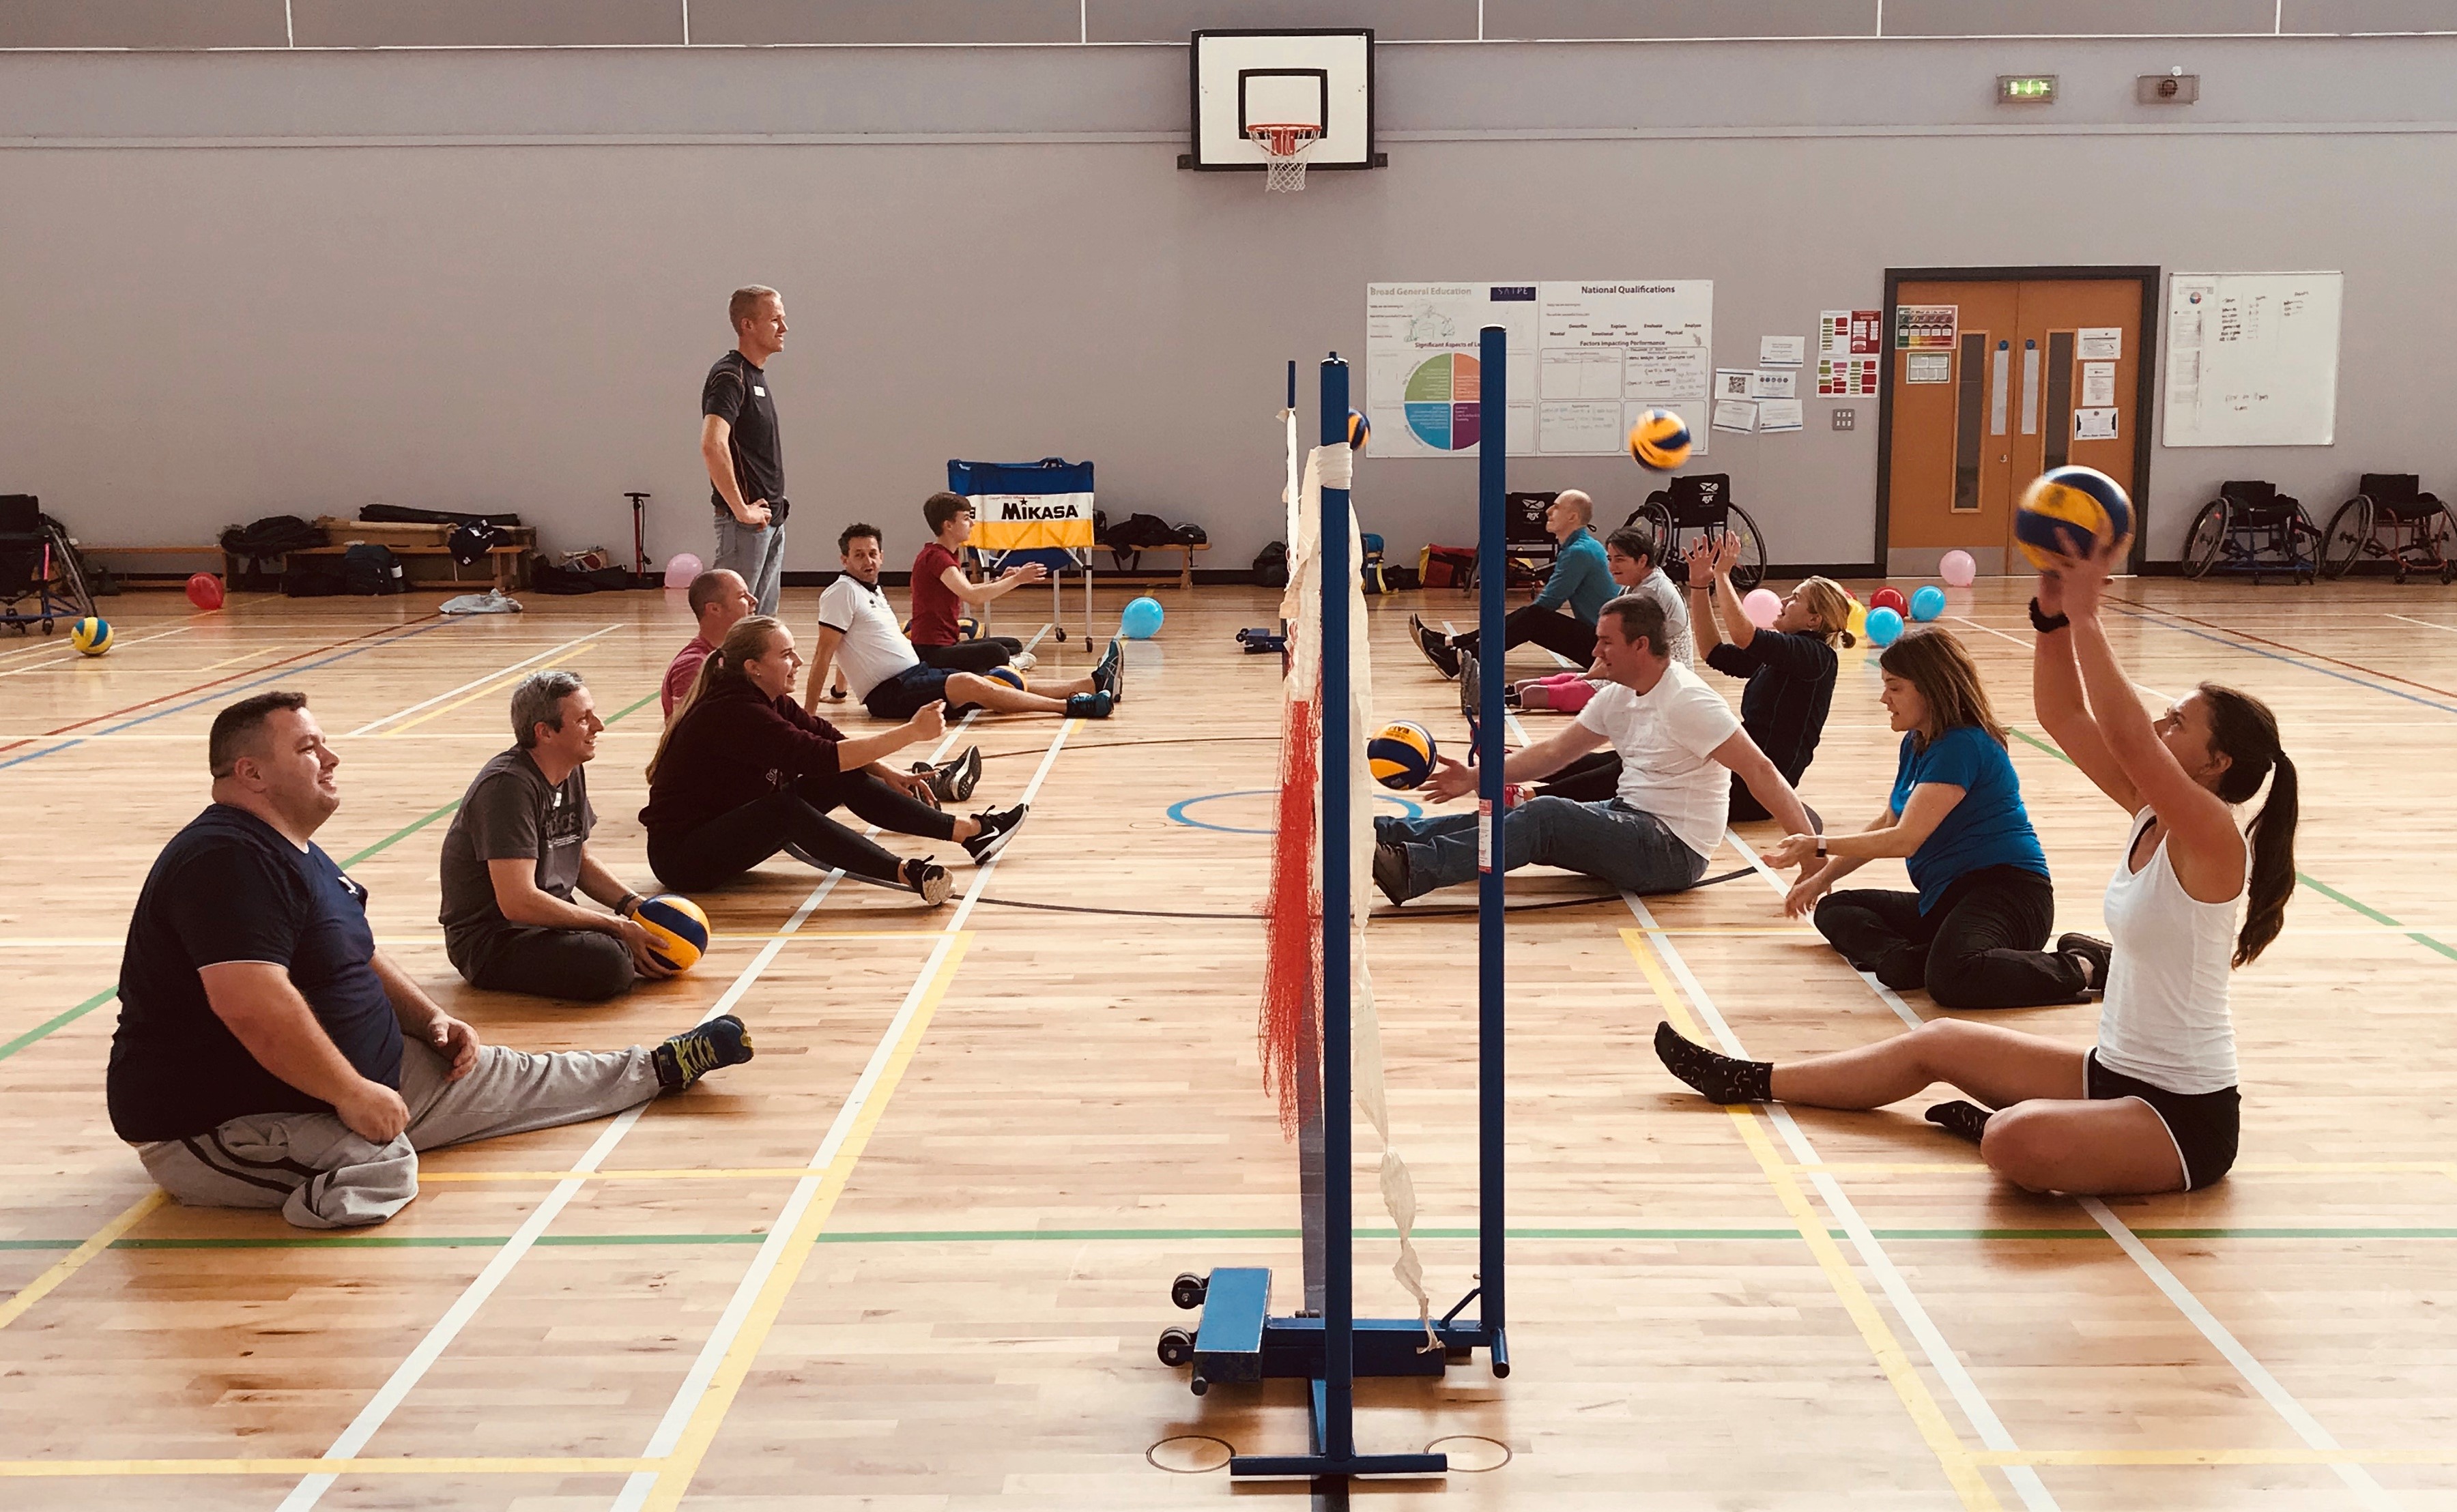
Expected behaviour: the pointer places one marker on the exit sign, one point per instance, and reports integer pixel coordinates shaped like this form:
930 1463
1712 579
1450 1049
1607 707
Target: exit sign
2026 88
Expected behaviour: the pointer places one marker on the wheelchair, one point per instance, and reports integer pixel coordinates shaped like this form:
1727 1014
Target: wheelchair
2390 521
1702 504
42 582
2252 528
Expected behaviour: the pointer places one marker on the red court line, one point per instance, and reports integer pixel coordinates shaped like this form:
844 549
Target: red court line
248 672
2228 630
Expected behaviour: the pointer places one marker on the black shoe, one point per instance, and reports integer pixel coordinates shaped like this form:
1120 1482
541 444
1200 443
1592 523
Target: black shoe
2094 955
1110 676
998 827
1471 678
686 1057
1391 869
1437 647
953 782
929 879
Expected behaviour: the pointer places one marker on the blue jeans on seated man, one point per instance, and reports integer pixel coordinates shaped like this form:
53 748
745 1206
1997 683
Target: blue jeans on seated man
1628 847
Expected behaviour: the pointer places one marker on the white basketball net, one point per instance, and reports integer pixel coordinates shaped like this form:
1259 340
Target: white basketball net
1284 152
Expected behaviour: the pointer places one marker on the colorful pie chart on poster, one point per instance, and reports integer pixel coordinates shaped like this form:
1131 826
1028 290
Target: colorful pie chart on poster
1443 404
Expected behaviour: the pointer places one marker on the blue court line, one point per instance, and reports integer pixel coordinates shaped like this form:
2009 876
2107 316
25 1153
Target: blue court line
219 694
2290 661
1177 810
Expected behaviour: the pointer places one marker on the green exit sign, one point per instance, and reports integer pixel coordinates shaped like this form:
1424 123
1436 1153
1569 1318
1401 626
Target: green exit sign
2026 88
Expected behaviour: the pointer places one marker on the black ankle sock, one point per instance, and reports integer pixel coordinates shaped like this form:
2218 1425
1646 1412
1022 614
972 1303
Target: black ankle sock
1964 1120
1718 1078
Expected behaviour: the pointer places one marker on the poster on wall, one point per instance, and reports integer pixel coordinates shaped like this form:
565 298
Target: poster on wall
1586 357
1847 378
1925 327
1851 333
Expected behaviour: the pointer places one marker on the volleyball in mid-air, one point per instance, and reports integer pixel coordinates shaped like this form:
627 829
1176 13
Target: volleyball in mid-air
90 635
1401 755
1660 441
677 929
1358 431
2070 512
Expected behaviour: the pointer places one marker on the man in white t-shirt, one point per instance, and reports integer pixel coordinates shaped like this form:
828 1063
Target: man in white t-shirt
858 631
1676 738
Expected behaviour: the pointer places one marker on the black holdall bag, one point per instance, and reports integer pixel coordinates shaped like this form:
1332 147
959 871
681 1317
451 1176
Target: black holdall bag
1272 565
368 570
314 577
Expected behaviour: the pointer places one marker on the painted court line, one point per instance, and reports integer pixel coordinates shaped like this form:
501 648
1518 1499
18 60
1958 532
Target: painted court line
79 656
372 725
43 1285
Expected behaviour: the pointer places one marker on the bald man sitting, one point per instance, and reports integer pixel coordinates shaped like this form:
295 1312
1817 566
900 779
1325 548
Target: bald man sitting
718 600
1563 618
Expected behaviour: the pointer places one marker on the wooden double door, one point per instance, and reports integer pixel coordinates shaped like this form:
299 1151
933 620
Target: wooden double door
1994 380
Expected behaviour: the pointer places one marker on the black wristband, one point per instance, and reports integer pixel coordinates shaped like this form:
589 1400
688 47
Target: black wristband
2047 623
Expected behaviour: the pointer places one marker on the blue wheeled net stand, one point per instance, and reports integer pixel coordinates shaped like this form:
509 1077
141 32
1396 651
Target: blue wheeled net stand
1326 1344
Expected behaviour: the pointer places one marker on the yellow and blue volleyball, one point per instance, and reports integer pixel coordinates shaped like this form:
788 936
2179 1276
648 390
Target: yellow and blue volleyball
1358 431
90 635
1007 675
2070 512
1660 441
1401 755
678 930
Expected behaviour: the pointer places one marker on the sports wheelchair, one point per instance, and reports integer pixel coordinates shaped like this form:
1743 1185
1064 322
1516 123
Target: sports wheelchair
2390 521
42 582
2252 528
1702 504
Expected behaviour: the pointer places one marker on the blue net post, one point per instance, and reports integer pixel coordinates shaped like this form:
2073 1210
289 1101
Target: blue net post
1339 1299
1493 482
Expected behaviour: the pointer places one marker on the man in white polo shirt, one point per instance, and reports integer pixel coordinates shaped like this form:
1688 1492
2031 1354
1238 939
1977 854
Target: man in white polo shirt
858 631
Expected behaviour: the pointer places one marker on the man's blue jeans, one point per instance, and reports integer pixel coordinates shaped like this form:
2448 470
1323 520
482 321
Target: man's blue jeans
1625 847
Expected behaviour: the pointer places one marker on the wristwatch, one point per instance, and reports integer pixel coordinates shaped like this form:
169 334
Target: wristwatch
1821 848
2047 623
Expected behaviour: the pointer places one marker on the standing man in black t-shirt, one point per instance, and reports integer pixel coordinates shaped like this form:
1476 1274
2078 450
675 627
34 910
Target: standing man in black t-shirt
738 441
268 1055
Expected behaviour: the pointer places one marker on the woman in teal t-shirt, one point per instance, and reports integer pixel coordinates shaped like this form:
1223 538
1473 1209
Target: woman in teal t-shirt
1972 934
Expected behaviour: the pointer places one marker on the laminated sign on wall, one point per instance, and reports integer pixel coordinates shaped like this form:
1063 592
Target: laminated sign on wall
2252 359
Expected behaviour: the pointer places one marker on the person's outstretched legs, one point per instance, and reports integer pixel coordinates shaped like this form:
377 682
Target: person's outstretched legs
1880 932
1986 952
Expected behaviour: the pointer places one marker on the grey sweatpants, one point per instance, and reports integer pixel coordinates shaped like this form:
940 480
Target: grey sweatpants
324 1176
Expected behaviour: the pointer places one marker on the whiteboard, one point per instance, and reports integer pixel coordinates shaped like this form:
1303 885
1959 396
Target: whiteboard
2252 359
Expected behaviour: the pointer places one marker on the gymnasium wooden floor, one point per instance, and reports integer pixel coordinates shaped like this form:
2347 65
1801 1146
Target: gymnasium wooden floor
916 1256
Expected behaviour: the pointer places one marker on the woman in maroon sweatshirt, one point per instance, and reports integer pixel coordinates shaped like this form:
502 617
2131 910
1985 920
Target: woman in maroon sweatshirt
742 772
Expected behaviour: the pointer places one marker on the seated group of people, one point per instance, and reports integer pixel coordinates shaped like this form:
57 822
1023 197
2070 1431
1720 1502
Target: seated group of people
269 1055
2154 1105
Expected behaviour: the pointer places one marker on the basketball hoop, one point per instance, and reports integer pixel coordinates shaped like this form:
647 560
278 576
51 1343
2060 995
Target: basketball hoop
1283 148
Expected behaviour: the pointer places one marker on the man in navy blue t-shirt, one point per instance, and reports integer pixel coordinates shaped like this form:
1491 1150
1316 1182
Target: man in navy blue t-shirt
268 1055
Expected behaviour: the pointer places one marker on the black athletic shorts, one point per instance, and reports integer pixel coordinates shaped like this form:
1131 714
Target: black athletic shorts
2202 1124
901 695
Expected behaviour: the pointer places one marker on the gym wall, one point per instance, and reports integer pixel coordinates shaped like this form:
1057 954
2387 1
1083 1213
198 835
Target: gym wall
248 282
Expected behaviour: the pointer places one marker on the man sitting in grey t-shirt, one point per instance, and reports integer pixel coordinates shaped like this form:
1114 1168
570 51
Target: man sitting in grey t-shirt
519 848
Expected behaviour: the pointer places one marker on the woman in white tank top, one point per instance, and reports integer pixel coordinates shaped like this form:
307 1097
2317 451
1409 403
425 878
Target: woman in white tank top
2152 1105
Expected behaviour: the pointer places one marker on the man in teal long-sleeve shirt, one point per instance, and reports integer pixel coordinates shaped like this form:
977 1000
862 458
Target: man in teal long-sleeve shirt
1582 584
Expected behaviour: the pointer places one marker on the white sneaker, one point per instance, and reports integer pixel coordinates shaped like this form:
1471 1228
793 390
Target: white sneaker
1023 661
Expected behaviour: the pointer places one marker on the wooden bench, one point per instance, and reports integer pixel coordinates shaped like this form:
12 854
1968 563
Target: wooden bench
502 561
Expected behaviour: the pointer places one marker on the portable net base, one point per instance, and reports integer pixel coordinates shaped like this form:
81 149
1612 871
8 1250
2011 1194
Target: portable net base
1284 150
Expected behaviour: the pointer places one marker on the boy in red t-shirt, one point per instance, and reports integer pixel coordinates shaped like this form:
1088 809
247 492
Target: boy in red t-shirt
941 593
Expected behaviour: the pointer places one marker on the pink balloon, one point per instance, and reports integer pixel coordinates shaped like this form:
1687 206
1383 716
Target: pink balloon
680 571
1957 569
1762 606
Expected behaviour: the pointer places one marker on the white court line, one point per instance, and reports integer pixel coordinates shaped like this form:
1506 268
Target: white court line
481 682
2427 624
678 1414
73 655
1941 1355
2306 1427
405 1377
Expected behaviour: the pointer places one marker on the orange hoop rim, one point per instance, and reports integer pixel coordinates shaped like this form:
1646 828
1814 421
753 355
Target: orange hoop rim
1284 139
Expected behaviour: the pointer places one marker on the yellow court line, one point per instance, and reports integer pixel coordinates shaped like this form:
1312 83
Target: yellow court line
2158 1456
699 1433
42 1470
43 1285
496 686
1960 1468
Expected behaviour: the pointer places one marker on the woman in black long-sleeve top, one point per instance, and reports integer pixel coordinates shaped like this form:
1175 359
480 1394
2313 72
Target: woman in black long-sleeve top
743 771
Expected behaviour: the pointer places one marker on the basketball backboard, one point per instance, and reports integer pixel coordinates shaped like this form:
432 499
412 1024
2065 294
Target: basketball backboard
1244 78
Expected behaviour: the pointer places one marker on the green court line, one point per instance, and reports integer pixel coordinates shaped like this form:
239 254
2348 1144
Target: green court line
373 1241
2304 877
64 1020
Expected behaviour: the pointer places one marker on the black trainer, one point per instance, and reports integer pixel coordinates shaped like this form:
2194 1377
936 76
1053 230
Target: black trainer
1110 676
953 782
1391 869
2094 955
998 827
1435 646
929 879
686 1057
1094 705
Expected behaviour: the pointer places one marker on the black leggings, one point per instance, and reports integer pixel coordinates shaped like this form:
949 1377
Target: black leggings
1570 635
970 655
1978 948
732 844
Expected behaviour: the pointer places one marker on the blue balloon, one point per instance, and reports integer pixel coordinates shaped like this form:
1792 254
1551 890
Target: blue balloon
1141 620
1927 604
1884 627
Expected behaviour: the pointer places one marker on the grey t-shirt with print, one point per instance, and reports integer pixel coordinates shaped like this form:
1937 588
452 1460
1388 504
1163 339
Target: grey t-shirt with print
510 812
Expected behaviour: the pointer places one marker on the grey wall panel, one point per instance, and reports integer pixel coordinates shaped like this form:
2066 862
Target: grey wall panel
1971 18
2368 15
1170 20
141 24
485 23
1681 18
766 22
